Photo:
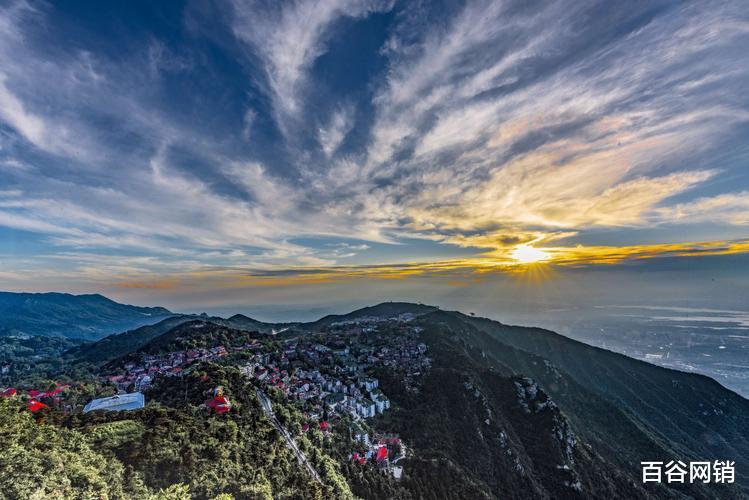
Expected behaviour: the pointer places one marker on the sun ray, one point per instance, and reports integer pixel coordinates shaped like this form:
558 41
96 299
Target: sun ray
526 254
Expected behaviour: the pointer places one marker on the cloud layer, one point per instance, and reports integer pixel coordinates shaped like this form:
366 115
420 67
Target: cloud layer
278 136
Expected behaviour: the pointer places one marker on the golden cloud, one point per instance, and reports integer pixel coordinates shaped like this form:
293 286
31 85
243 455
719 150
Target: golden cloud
461 272
501 260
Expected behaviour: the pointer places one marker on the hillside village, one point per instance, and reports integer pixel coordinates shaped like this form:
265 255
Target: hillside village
349 392
329 375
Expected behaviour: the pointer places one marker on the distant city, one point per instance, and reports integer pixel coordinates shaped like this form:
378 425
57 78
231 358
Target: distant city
712 342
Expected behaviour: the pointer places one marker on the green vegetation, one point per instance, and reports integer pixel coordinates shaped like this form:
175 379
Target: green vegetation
686 403
44 461
114 346
193 334
593 394
166 449
89 317
472 438
32 358
503 412
175 440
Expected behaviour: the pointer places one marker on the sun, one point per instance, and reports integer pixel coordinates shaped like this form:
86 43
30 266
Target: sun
526 254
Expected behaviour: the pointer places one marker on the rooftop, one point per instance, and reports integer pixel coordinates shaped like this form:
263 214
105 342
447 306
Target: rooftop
120 402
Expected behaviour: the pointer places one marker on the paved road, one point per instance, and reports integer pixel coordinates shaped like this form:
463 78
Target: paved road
268 409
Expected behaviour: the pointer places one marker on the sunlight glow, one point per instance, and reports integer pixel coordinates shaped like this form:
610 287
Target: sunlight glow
526 254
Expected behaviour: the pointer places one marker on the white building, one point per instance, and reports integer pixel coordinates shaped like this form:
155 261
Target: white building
397 472
369 383
382 403
143 382
120 402
360 435
366 408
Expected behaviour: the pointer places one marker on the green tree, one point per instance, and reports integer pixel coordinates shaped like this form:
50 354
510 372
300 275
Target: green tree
44 461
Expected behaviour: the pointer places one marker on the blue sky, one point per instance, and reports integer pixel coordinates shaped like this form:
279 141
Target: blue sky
266 152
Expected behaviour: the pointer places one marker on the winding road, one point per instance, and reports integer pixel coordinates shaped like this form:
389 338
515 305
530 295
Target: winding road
265 402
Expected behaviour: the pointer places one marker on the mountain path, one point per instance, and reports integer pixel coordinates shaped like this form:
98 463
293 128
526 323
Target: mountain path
268 409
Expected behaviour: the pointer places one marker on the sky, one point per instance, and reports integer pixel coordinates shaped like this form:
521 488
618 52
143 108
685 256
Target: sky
314 155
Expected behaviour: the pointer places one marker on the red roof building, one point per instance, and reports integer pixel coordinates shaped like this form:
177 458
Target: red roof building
219 404
54 391
9 392
35 405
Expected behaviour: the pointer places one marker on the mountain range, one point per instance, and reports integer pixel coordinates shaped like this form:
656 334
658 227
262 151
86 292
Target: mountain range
89 317
503 412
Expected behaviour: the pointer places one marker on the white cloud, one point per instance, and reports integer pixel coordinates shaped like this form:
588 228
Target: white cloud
487 127
332 136
731 208
290 38
578 147
12 111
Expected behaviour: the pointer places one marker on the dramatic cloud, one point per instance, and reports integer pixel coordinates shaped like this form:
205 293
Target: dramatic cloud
289 37
340 136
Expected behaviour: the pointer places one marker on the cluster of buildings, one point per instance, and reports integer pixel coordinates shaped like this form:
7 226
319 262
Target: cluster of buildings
140 374
333 376
39 400
332 373
321 391
384 451
371 323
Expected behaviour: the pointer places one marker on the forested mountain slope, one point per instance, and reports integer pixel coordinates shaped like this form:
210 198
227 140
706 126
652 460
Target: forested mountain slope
484 411
89 317
627 410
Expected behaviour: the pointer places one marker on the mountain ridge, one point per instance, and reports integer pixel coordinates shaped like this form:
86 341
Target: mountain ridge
502 411
88 316
117 344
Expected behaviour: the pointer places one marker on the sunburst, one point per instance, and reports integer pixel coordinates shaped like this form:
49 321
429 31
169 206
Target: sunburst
526 254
